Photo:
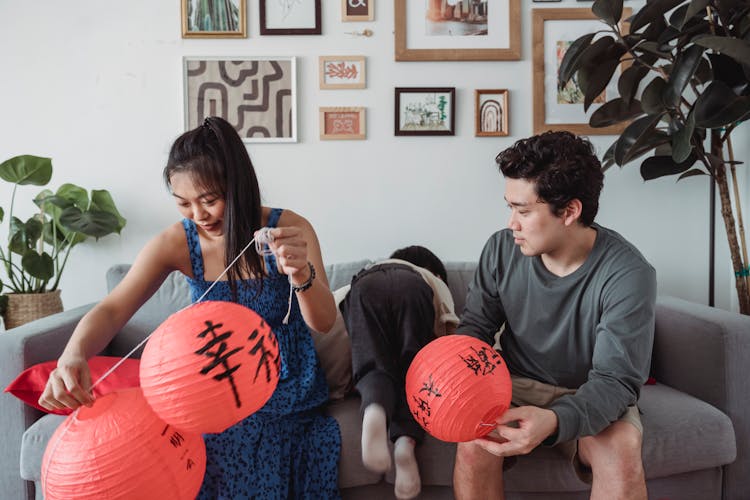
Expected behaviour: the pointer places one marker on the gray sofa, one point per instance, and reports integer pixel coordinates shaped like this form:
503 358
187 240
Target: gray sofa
696 418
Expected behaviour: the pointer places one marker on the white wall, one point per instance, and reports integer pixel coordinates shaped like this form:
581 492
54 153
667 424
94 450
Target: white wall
96 85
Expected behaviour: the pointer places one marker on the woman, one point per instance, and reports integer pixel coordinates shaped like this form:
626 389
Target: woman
288 448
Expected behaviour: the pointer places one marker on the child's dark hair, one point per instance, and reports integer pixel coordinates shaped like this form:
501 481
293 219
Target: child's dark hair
420 256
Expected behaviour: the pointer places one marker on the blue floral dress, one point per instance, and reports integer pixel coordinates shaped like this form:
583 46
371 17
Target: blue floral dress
288 448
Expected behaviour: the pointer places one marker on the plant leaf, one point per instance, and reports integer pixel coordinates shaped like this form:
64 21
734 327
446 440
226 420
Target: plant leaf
728 71
651 100
102 200
75 194
609 156
615 111
652 11
632 134
681 140
631 78
691 173
653 48
27 169
96 223
737 49
718 105
660 166
609 11
39 266
599 77
682 72
572 59
2 214
694 8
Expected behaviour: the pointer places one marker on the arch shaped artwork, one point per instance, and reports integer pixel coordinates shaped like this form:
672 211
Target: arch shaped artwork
491 112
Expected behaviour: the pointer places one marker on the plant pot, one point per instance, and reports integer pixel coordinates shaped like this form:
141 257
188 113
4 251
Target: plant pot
25 307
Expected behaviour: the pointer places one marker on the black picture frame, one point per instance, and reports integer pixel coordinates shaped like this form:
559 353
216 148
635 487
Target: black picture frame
424 116
291 30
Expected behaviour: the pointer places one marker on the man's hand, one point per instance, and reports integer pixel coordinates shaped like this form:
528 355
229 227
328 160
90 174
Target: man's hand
529 426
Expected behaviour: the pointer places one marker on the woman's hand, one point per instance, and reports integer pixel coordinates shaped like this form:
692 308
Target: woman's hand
68 385
290 248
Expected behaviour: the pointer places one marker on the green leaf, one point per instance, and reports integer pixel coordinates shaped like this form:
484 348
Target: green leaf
75 194
102 200
39 266
704 73
51 201
631 78
655 49
572 59
2 214
691 173
651 100
728 71
718 105
694 8
737 49
597 79
651 12
632 135
609 11
681 140
615 111
682 72
660 166
96 223
27 169
609 156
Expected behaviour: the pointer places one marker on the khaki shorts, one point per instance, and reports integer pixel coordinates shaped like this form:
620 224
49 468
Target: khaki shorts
529 392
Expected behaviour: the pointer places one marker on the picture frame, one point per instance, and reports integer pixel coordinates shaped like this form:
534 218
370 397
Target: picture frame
342 72
258 95
290 17
425 111
491 112
357 10
223 19
553 30
422 34
346 123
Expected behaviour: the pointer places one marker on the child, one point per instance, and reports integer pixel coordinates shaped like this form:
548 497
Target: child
392 310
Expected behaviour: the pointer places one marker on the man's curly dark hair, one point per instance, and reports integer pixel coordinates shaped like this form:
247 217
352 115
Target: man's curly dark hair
562 166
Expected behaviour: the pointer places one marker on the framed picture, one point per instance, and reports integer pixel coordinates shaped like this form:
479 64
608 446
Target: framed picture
290 17
342 72
562 109
342 123
357 10
491 112
257 95
459 30
425 111
214 19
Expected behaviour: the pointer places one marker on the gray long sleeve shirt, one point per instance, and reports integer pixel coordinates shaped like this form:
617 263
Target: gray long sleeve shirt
592 330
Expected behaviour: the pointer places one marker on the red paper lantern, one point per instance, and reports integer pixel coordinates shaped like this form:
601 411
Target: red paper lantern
209 366
119 448
456 387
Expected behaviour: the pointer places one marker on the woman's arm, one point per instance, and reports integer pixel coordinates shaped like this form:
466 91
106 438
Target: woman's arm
69 384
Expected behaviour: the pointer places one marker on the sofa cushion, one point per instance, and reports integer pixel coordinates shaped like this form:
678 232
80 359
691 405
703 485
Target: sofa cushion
33 444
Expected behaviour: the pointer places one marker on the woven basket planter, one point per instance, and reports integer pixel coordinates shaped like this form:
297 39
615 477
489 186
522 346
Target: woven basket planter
25 307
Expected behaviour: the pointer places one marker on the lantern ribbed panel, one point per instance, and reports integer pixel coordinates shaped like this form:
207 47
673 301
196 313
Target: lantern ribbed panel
120 449
209 366
454 384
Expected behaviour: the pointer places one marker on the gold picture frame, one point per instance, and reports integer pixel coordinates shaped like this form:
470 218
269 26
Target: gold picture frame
342 72
552 106
362 10
229 13
346 123
491 113
467 48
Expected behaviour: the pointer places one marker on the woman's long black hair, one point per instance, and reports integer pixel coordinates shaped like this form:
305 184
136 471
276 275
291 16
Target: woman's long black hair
217 160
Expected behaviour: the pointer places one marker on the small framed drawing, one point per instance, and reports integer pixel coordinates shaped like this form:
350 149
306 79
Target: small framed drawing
214 19
342 123
460 30
357 10
342 72
491 112
290 17
425 111
257 95
553 30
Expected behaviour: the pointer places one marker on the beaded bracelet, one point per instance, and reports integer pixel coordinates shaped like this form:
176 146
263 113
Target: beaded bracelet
307 284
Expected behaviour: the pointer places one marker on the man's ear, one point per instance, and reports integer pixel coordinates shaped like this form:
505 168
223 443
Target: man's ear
572 212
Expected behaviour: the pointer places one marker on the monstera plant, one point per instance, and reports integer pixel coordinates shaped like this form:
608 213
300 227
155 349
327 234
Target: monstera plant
685 89
37 249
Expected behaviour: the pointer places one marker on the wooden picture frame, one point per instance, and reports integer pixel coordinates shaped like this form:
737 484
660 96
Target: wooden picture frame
500 40
357 10
225 19
342 72
346 123
491 113
290 18
258 95
556 109
425 111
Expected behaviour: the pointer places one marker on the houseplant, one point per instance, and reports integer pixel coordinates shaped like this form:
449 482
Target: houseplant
37 250
685 90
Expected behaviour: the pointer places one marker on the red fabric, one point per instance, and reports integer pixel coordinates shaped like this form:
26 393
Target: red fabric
29 385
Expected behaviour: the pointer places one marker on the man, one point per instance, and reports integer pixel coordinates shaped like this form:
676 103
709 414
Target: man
575 302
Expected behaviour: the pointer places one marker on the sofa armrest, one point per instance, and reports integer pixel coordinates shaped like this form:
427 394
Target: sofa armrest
22 347
704 352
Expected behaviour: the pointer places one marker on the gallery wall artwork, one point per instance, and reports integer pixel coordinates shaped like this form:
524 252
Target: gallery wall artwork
256 95
342 72
342 123
491 112
214 19
425 111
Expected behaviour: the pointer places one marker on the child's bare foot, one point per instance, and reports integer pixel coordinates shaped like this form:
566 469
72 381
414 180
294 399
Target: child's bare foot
375 453
408 484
